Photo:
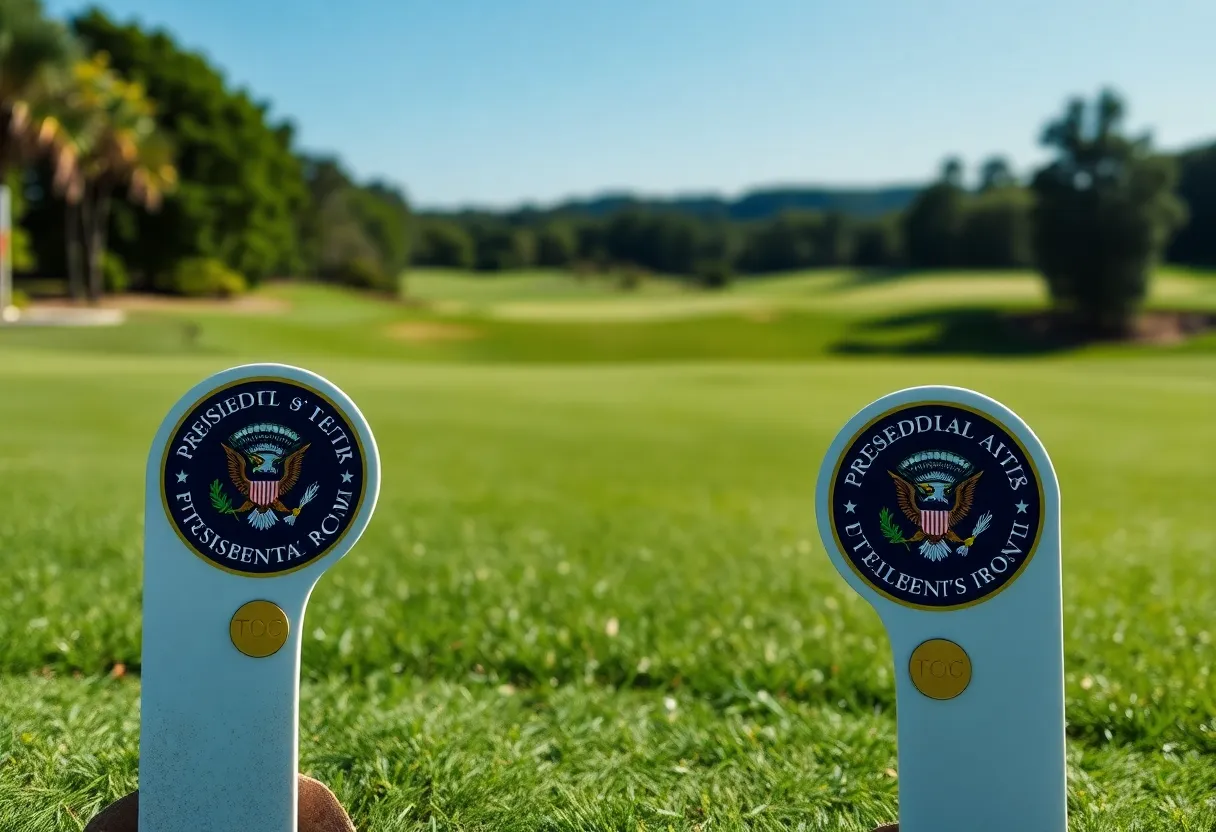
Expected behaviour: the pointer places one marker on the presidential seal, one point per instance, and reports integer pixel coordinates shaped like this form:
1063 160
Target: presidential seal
263 477
936 506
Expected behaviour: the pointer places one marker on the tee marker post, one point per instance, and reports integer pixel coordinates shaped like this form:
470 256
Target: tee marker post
941 508
259 479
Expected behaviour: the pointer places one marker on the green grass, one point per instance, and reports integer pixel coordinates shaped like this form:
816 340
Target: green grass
545 318
593 595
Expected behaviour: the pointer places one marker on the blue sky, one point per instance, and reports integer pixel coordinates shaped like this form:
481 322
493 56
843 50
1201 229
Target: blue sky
493 102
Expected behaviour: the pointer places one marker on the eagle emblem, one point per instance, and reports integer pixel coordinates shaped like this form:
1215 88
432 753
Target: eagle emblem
934 490
264 464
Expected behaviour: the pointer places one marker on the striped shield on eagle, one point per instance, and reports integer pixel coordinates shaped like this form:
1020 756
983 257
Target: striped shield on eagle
264 463
935 490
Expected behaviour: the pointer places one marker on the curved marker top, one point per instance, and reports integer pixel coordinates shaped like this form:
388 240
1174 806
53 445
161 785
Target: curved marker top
941 508
935 498
259 479
266 470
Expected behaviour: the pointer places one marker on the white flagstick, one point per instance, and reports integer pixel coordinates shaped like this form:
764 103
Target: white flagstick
224 597
977 633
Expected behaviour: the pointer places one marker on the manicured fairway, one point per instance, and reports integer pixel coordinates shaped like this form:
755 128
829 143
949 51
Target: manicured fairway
593 596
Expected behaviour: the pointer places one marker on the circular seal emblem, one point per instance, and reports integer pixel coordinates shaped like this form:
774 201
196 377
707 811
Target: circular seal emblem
936 506
263 476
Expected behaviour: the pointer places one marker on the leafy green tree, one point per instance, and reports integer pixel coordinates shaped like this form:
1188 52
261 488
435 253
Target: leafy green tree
22 242
800 240
446 244
556 244
995 232
836 241
342 239
35 54
354 235
592 236
1104 212
952 171
241 187
996 174
1196 242
878 243
499 246
934 220
670 243
384 214
324 218
116 144
786 242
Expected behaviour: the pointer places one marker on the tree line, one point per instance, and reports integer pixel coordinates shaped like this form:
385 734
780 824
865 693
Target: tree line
946 225
1094 221
987 225
134 164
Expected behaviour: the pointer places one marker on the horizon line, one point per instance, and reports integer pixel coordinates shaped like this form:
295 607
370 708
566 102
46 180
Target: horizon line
726 196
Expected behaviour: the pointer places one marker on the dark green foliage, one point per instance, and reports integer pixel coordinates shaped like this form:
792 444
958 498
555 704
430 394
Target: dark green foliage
764 204
995 232
23 252
498 246
878 243
201 277
248 200
799 241
592 242
241 187
1105 211
714 274
114 273
30 45
995 174
351 234
364 273
784 243
556 244
443 243
660 242
1196 242
945 226
934 221
384 215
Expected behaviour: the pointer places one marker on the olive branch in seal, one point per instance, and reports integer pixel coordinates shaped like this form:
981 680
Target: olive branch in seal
220 501
890 530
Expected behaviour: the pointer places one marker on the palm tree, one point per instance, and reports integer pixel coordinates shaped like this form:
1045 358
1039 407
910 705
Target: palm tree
32 50
115 142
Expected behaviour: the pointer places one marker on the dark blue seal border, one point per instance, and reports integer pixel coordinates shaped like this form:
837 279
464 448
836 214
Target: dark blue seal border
263 476
915 551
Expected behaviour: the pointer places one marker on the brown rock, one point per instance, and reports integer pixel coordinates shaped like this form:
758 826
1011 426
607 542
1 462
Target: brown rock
886 827
320 811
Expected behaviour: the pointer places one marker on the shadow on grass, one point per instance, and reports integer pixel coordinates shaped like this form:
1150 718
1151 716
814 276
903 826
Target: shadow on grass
960 331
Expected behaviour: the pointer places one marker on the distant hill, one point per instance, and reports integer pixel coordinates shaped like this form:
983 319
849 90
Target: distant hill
753 205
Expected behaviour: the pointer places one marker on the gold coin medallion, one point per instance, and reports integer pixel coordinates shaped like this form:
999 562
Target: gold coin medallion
940 669
259 629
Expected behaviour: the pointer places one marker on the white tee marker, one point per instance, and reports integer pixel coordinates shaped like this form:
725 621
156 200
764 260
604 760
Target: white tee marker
259 479
941 508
